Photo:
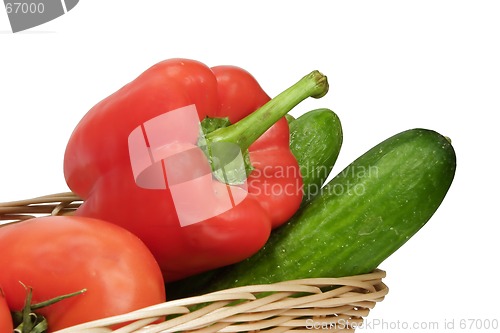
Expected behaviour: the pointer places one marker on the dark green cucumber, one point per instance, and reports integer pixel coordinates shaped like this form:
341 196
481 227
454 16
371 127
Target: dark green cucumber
359 219
315 141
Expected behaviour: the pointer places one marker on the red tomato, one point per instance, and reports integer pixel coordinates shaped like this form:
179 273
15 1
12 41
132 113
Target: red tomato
5 318
60 255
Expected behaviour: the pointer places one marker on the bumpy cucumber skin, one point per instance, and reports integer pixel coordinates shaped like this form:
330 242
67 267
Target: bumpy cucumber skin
315 141
361 217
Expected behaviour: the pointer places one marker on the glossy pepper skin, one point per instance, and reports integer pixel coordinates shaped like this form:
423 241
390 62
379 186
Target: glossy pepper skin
97 167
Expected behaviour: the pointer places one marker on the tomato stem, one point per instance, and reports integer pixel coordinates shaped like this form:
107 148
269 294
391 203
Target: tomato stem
249 129
27 318
56 299
26 321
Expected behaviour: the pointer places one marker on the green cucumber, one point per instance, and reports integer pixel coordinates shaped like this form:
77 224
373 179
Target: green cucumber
289 118
315 141
360 218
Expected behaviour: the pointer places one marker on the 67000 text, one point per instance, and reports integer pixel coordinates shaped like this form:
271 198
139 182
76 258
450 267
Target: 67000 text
25 7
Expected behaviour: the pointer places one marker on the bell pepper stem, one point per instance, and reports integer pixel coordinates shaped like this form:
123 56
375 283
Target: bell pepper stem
249 129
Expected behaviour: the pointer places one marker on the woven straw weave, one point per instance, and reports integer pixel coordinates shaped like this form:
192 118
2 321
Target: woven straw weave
333 304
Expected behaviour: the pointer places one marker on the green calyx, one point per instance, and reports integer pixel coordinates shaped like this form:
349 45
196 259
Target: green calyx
28 321
222 157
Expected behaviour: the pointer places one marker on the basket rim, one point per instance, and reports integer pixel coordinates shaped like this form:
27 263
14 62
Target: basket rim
63 203
286 307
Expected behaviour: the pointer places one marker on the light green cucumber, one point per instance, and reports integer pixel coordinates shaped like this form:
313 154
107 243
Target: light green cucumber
360 218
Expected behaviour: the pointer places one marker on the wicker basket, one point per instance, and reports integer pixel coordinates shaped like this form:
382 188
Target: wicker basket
333 304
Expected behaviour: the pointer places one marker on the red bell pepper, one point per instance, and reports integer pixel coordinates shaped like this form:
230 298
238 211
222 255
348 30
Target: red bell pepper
138 160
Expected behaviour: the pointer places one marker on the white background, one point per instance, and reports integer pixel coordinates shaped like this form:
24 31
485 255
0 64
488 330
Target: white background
392 65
